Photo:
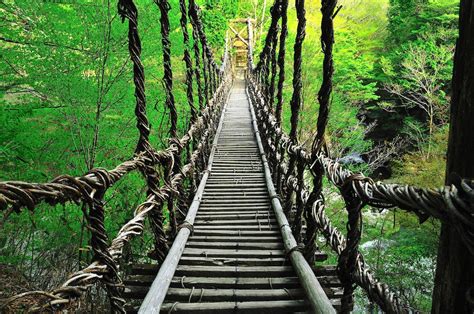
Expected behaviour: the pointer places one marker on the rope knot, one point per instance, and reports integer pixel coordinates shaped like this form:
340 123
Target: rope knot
103 176
348 183
356 177
82 187
299 247
177 142
186 225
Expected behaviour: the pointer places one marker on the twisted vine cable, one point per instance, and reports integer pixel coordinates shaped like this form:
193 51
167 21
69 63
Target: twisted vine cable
164 7
99 243
327 41
295 103
182 203
128 10
324 94
281 58
262 68
197 54
187 60
273 62
347 261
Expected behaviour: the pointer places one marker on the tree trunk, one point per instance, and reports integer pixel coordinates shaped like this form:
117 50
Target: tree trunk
455 268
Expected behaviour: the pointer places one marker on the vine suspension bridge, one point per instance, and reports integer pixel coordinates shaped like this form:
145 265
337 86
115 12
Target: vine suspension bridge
243 220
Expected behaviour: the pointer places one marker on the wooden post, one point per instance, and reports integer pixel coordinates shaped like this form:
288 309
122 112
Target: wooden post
454 282
250 43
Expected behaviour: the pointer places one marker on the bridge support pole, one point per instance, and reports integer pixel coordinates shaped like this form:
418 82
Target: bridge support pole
454 283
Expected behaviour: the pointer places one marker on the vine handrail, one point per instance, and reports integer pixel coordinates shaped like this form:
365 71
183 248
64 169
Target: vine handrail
451 204
90 188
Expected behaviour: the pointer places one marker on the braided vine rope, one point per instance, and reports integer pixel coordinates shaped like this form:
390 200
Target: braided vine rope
281 58
261 69
165 7
273 62
197 69
187 60
296 101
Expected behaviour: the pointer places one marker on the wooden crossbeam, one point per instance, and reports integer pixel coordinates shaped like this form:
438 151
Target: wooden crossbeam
237 34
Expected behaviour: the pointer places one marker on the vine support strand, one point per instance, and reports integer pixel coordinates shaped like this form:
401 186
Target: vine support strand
324 96
296 100
128 10
187 61
164 7
281 58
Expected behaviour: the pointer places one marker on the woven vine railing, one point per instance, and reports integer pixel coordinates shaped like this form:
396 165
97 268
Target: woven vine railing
291 162
175 189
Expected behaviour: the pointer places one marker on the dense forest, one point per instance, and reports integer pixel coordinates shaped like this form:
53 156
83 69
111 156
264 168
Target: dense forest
67 107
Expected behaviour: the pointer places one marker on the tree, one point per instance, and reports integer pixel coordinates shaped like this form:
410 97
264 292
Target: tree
423 79
454 282
404 21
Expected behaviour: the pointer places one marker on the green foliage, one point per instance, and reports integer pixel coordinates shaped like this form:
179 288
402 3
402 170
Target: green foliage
419 63
66 106
215 18
425 167
404 23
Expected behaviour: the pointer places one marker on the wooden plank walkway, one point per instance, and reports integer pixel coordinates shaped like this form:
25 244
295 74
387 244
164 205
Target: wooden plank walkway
235 260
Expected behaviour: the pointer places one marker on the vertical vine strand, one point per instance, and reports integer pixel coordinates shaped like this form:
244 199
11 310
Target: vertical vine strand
173 168
281 59
187 61
295 102
197 54
128 10
190 99
327 41
279 97
273 70
164 7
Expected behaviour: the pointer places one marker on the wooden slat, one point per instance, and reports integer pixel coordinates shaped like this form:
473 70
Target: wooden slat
237 283
215 295
235 233
242 261
286 306
241 222
232 253
150 269
234 215
138 292
262 227
232 239
235 245
238 271
209 210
